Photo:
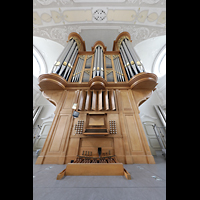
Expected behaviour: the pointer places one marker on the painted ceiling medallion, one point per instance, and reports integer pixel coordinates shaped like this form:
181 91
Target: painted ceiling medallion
99 15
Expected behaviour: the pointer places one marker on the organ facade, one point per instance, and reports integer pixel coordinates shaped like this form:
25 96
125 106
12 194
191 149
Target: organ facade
108 88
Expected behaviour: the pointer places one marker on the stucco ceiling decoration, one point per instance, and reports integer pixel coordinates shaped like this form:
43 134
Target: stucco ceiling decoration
55 19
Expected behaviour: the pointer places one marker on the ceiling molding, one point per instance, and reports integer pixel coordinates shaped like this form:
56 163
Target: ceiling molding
148 16
56 19
60 33
60 3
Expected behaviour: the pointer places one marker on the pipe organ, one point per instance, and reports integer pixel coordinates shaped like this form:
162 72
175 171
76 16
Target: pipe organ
108 88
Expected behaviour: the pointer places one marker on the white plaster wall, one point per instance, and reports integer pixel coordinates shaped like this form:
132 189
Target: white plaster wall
148 49
49 49
48 109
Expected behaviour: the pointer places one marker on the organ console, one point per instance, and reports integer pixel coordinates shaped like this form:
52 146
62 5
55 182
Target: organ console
108 87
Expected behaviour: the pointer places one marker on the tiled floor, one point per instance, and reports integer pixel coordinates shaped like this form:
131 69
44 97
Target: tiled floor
142 186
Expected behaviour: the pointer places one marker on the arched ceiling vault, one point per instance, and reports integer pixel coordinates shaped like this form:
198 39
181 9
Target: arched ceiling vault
99 20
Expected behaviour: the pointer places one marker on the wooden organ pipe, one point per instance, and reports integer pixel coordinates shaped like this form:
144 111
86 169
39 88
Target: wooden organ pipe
100 100
112 100
82 100
88 100
97 100
94 100
106 102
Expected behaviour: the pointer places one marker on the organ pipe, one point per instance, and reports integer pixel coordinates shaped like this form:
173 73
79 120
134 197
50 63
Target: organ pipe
94 100
102 65
71 63
120 69
61 59
106 102
98 60
98 66
127 72
129 58
127 65
135 55
95 64
88 100
66 61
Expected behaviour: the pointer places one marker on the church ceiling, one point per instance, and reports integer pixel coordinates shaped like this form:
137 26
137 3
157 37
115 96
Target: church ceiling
55 19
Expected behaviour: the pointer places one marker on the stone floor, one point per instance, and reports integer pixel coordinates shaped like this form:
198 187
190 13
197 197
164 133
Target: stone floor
148 183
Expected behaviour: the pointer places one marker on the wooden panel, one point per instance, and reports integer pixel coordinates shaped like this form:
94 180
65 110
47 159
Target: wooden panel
94 169
112 100
106 102
96 142
73 146
82 100
133 132
94 100
63 121
88 100
69 100
96 120
100 100
125 99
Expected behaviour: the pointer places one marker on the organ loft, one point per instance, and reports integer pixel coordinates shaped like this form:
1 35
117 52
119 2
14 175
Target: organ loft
106 88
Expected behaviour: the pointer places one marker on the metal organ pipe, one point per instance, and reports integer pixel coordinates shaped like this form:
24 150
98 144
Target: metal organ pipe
116 70
135 55
127 72
98 60
73 61
120 69
95 60
62 57
75 71
66 61
131 61
98 66
102 65
80 69
126 62
69 65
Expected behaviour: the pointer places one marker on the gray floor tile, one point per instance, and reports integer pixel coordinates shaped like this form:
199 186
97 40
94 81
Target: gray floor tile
141 186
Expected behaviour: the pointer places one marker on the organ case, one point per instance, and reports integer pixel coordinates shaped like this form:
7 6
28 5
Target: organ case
108 87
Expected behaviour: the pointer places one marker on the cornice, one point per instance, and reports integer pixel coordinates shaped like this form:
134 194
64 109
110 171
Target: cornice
60 34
